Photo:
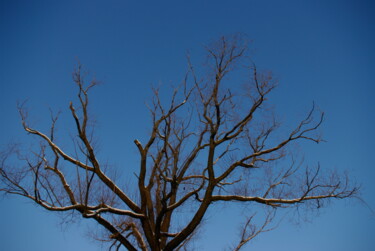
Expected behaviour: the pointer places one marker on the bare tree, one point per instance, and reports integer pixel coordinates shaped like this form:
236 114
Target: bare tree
212 142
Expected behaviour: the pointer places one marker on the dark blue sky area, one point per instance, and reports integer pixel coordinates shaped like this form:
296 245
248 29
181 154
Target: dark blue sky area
321 51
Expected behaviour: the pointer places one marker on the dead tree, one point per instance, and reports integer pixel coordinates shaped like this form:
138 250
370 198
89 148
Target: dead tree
214 141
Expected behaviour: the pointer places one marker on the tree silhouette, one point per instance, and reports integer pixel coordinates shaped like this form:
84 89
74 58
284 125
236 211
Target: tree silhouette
212 142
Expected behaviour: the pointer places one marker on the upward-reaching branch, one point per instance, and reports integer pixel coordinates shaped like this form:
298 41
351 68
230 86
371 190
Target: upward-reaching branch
212 142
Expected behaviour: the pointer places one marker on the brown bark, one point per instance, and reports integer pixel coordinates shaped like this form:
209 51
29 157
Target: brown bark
224 129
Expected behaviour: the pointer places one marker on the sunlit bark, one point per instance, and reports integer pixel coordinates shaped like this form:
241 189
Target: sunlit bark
205 121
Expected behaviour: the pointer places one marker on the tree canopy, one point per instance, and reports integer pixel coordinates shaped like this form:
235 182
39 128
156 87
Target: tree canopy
215 140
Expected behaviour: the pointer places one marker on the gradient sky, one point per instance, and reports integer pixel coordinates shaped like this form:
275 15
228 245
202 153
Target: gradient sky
321 51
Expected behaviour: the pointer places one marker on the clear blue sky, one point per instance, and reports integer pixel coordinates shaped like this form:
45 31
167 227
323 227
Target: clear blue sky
320 50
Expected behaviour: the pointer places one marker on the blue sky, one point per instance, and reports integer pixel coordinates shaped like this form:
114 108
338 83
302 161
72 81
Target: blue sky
321 51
